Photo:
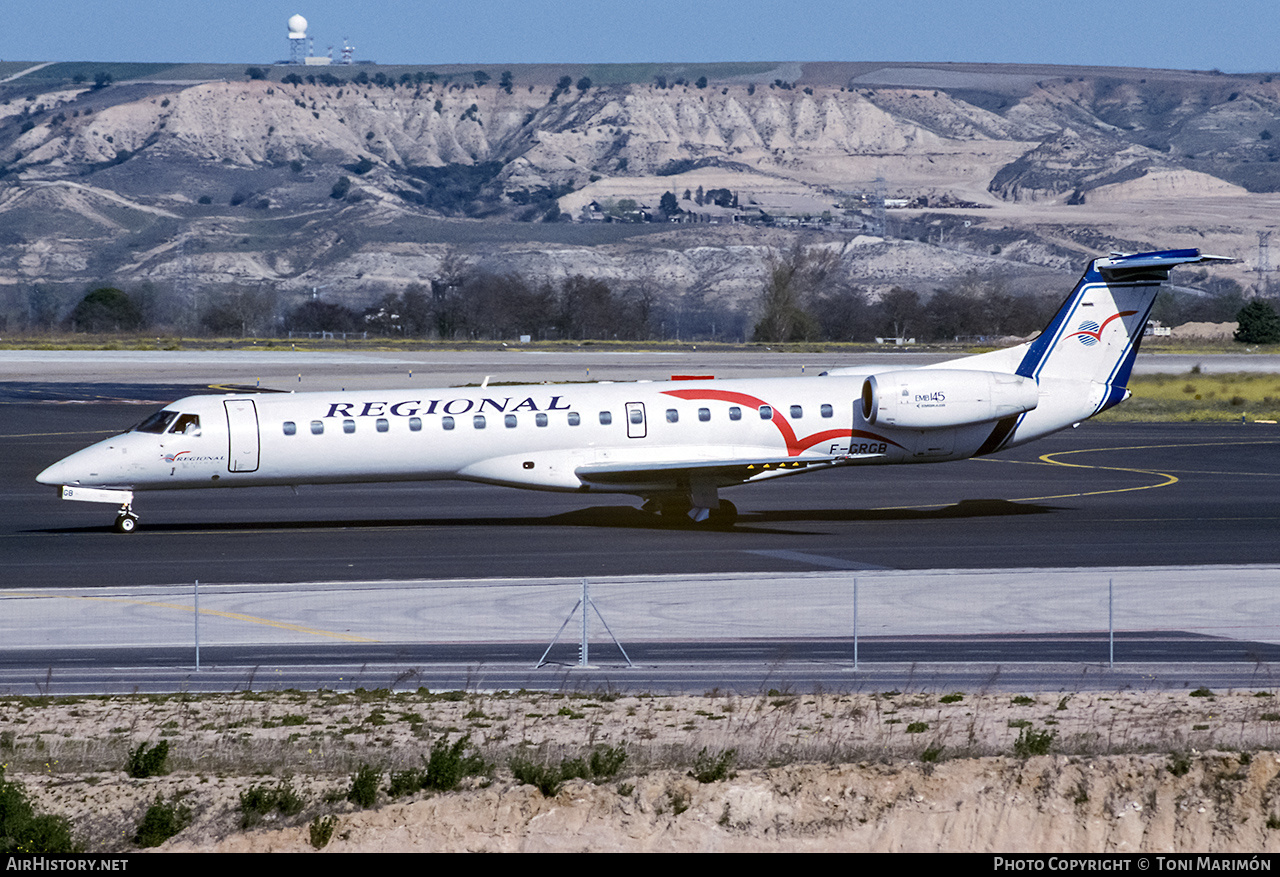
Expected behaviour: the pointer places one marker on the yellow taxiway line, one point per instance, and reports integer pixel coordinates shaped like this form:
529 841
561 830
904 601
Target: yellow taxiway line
235 616
1048 460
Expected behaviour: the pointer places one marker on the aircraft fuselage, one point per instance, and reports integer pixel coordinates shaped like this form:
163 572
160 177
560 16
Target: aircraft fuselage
675 443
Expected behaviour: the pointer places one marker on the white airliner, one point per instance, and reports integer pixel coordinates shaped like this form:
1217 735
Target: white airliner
673 443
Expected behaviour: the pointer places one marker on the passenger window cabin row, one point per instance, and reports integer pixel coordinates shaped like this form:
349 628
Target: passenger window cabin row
478 421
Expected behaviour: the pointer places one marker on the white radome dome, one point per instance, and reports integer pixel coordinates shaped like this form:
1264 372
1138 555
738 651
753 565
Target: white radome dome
297 27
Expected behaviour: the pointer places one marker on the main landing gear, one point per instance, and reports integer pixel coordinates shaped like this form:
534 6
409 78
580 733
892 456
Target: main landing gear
126 520
682 511
725 516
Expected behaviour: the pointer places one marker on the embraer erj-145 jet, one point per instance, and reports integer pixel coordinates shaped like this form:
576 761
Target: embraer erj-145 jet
673 443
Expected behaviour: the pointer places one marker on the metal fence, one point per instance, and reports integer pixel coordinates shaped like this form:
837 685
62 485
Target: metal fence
1093 615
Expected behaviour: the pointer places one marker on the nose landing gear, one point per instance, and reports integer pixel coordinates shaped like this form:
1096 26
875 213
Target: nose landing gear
126 520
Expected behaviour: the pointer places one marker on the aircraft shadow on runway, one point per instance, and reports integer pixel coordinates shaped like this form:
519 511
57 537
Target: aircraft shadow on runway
621 518
966 508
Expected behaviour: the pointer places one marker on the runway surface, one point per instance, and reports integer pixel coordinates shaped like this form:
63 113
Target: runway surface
281 368
1103 496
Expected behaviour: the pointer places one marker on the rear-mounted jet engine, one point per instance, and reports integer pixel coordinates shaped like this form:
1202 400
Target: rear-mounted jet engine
941 398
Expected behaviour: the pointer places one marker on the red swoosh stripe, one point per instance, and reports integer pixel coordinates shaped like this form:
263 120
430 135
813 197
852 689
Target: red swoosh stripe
794 445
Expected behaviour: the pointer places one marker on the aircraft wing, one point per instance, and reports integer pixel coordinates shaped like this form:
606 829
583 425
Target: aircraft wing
728 471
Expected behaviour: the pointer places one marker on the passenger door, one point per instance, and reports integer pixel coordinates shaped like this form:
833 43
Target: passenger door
242 435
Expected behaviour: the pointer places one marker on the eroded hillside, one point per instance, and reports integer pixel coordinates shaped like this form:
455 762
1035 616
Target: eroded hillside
364 187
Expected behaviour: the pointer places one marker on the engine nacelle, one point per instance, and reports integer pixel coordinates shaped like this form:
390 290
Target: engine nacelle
939 398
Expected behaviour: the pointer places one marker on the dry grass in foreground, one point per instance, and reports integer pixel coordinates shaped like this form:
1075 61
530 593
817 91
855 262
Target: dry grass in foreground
506 771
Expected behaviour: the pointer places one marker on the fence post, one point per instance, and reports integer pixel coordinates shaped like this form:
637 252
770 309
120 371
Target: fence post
855 622
582 651
1111 625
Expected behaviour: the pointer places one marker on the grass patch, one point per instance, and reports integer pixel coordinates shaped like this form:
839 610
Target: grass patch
546 778
1199 397
148 761
709 768
1179 763
258 802
321 830
602 764
444 769
364 786
23 830
161 822
1032 742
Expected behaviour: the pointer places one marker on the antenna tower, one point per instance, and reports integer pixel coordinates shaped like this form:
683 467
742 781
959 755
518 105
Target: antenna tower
297 40
882 225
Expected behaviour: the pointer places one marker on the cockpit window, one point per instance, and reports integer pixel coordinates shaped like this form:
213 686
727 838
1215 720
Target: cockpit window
157 422
187 424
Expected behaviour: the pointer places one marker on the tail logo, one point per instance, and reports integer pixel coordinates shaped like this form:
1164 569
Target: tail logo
1089 333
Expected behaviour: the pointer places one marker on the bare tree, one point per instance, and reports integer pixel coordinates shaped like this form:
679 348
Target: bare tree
793 280
239 310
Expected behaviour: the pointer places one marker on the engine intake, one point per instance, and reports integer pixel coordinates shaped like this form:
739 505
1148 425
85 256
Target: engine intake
940 398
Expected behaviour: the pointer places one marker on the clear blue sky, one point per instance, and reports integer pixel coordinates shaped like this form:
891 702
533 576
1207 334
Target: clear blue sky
1242 36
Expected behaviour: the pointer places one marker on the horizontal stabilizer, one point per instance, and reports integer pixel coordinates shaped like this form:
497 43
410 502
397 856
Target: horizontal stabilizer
1150 266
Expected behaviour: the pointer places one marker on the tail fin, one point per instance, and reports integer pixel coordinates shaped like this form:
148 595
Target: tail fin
1095 334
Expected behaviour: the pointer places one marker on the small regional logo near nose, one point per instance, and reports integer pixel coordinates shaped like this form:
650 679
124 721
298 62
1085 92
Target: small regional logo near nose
186 457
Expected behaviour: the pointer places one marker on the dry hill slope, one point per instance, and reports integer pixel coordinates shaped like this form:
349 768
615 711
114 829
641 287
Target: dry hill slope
1023 171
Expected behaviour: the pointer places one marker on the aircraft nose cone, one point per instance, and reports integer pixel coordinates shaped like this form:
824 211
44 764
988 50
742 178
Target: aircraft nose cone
87 465
58 473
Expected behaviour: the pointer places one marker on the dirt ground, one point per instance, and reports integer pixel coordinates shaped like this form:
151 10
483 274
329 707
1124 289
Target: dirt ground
1172 771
